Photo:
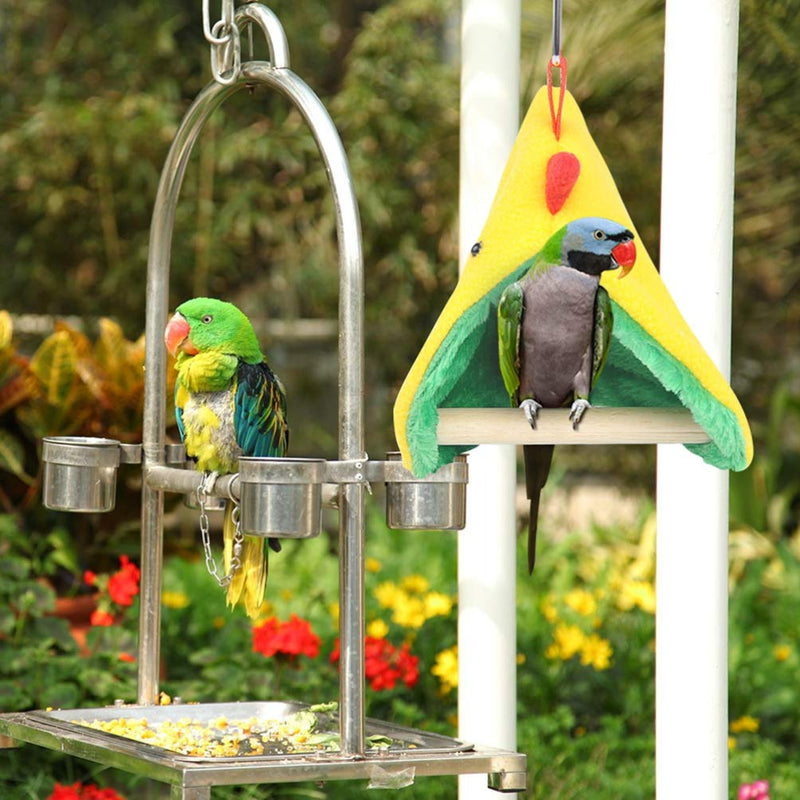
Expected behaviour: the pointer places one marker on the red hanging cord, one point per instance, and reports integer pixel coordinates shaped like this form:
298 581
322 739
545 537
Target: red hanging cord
556 116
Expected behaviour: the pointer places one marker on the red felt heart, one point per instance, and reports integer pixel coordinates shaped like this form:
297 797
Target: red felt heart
562 174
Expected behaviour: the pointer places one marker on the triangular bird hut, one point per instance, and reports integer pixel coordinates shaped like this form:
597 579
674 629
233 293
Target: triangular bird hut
555 174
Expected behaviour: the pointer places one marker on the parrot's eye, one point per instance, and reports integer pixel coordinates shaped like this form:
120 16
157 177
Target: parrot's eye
206 319
599 235
476 248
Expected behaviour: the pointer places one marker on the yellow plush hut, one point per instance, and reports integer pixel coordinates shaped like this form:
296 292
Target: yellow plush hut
555 174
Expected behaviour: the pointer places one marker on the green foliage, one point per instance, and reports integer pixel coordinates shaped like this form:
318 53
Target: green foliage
585 712
764 662
40 662
70 385
767 496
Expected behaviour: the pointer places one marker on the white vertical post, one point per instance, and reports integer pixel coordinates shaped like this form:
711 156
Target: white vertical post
487 696
692 544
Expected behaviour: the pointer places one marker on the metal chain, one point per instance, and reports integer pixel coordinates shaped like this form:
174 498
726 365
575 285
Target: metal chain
238 536
223 37
226 20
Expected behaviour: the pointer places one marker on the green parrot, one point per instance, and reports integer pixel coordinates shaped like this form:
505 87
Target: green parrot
228 403
554 330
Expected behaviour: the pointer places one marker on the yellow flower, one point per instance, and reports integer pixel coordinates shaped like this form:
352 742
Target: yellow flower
731 743
553 651
781 652
416 584
175 599
377 629
409 612
446 668
549 610
372 564
437 604
745 723
387 594
567 641
521 659
637 593
333 610
218 622
581 601
596 652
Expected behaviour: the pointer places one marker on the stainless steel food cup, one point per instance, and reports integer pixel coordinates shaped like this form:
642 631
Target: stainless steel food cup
281 497
80 473
436 502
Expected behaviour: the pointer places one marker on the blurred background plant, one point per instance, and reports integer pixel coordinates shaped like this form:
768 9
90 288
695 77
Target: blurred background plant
90 98
586 632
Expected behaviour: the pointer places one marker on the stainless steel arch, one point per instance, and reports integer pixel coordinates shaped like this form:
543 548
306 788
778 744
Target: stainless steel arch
351 359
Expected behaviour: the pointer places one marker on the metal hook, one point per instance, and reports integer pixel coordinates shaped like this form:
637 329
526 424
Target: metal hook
556 59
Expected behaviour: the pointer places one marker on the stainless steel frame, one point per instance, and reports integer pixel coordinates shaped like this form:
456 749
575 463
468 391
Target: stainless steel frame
351 444
191 778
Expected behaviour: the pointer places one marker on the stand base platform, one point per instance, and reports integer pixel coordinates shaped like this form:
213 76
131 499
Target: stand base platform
410 754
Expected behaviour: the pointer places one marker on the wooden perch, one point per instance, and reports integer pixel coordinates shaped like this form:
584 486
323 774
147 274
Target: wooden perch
469 426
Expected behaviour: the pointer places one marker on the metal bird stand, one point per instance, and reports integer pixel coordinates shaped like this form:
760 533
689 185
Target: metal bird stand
80 475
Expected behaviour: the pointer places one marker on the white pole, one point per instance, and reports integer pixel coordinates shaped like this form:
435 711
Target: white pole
692 545
487 694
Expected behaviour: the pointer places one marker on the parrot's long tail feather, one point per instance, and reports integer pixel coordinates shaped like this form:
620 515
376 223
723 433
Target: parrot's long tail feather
250 579
254 567
537 458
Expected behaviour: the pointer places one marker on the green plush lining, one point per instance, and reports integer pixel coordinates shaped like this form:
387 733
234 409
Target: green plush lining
464 373
640 372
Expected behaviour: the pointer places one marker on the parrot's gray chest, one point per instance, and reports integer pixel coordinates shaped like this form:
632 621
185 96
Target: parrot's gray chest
557 335
210 433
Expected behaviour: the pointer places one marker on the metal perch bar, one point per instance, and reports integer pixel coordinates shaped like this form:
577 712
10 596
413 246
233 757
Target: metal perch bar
174 479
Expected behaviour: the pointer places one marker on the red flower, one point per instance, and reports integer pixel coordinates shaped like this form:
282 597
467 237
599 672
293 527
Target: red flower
101 618
91 792
123 585
117 589
79 792
264 637
385 664
127 658
292 638
65 792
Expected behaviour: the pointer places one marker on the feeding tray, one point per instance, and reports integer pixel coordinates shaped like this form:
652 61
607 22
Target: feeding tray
258 742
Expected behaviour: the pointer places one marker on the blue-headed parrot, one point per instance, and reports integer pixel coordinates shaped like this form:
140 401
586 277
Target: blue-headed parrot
554 330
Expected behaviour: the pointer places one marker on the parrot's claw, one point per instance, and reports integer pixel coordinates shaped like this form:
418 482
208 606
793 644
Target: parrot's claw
208 481
531 409
577 411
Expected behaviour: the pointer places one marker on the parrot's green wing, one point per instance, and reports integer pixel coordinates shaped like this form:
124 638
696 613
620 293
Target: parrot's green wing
509 319
260 412
180 400
603 325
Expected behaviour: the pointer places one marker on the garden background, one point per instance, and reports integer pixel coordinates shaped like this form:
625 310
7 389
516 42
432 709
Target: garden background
90 97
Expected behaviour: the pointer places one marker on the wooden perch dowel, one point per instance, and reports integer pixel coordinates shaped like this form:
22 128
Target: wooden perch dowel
470 426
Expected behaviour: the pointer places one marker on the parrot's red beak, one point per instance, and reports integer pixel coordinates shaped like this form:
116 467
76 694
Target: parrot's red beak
176 336
625 255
